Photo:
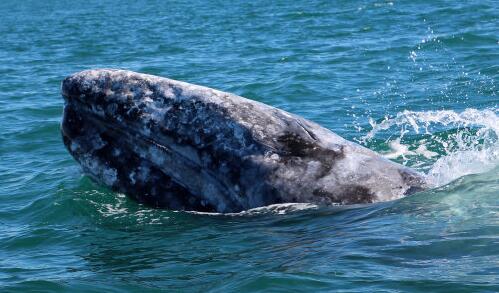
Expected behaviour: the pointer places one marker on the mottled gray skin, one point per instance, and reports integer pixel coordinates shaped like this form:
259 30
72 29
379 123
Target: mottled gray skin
182 146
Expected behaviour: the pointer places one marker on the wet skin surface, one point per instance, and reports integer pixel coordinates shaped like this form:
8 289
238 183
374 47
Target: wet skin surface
181 146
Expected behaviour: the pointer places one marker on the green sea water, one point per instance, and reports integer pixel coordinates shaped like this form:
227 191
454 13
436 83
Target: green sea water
416 81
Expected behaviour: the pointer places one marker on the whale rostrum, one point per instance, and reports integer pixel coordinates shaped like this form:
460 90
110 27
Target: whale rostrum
181 146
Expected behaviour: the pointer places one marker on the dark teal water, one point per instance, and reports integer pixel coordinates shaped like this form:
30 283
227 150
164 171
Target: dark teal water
414 80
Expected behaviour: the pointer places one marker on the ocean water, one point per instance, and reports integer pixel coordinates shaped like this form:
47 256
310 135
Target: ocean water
414 80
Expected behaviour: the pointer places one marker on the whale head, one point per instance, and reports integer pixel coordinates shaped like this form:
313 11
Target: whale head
177 145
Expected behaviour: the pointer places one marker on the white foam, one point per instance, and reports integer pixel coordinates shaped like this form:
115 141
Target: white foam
471 145
280 209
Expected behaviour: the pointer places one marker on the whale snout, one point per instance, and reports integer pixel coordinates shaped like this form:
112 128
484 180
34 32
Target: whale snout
92 88
116 102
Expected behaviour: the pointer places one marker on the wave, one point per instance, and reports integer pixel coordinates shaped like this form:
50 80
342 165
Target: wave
279 209
445 144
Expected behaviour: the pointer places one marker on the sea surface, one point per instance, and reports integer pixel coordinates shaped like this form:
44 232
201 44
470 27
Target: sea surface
416 81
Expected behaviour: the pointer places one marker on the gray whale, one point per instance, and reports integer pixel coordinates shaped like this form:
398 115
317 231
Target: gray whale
181 146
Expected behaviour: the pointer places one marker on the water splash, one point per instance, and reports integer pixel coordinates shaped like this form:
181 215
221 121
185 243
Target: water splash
278 209
445 143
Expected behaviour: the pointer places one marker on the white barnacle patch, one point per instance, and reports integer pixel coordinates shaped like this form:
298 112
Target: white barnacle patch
109 92
116 152
74 146
92 73
86 84
99 171
109 176
313 167
120 97
189 91
168 92
157 112
274 157
97 142
355 162
90 165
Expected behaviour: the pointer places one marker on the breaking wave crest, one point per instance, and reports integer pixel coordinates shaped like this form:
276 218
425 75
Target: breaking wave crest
279 209
444 144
